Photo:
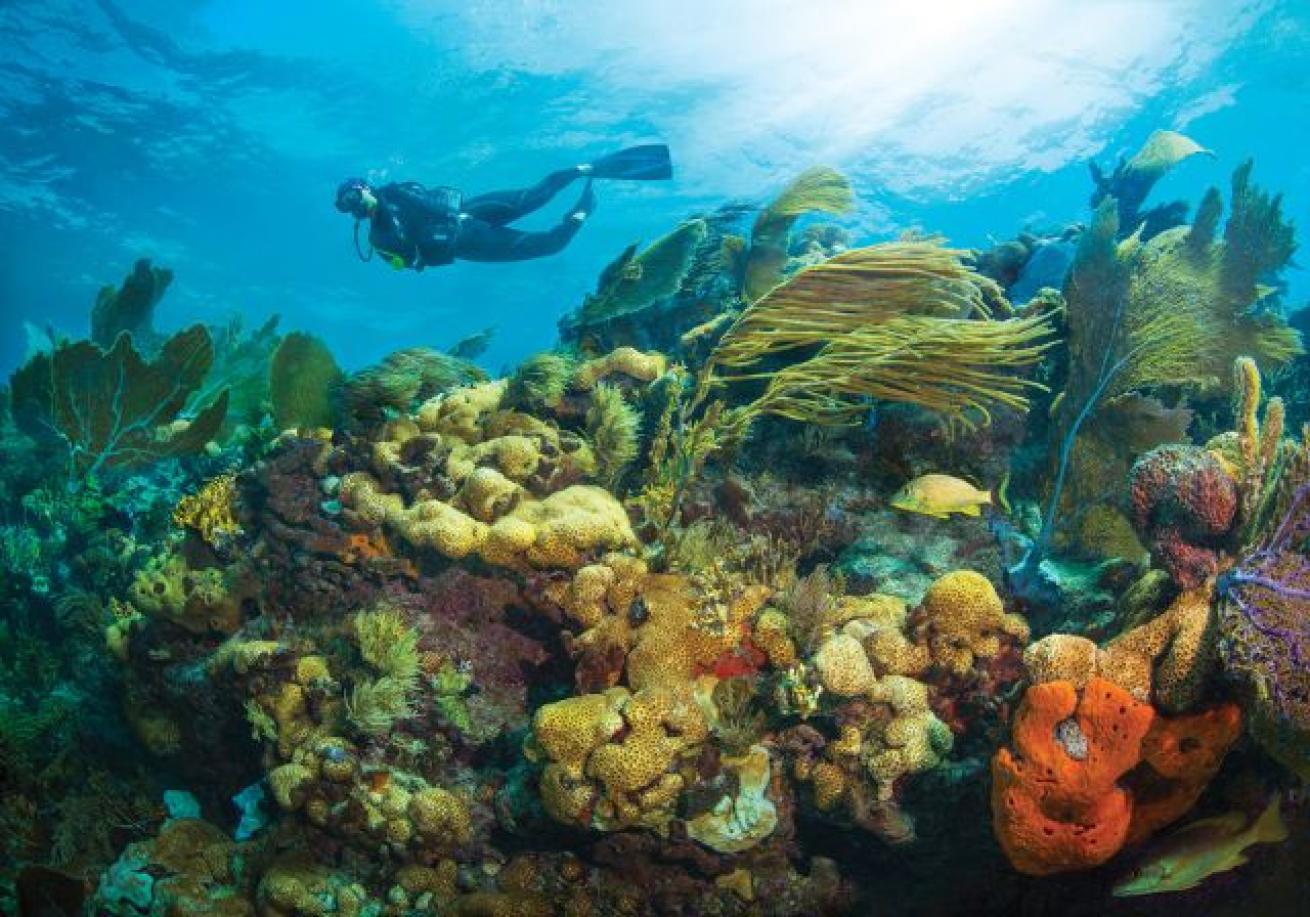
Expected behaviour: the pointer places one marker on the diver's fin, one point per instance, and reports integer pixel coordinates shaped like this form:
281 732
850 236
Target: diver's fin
636 163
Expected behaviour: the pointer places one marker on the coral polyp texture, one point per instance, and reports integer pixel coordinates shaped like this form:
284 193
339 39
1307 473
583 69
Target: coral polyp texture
644 625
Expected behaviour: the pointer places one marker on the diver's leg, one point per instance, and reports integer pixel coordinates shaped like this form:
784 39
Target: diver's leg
479 241
501 207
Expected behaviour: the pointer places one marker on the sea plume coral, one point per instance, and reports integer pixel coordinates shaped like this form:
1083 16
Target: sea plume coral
890 322
818 189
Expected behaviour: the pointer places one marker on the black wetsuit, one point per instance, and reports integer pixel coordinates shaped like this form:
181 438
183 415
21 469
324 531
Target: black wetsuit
418 227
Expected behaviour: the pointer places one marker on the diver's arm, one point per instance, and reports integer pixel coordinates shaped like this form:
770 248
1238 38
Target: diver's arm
395 227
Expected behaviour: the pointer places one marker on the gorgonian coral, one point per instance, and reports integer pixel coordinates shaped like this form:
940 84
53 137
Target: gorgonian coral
1264 618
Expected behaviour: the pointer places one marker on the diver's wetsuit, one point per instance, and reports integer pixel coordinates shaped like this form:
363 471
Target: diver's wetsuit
419 227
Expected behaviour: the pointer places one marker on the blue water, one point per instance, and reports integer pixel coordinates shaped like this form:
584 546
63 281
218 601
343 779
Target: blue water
209 136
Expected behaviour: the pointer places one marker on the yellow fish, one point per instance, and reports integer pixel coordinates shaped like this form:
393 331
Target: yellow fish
939 495
1202 849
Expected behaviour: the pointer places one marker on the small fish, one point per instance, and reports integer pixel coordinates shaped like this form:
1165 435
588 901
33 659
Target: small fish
1202 849
939 495
473 346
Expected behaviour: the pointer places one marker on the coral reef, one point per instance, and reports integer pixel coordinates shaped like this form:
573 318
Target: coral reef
636 626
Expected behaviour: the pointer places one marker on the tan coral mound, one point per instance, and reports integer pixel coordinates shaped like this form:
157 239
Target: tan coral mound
611 757
964 620
1165 660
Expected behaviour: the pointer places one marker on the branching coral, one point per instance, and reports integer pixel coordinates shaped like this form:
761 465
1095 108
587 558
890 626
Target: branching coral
689 431
889 322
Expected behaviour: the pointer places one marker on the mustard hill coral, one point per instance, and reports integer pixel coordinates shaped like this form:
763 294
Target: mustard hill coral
210 511
964 620
610 757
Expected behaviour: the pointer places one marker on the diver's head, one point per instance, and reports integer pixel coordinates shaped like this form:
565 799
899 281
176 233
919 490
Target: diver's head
354 196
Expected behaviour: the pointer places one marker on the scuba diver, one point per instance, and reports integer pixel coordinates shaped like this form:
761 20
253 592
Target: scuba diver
416 227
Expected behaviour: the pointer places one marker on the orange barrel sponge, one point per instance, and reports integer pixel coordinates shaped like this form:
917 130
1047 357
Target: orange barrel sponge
1180 756
1056 800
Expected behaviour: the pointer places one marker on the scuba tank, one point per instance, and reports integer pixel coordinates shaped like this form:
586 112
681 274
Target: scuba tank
436 242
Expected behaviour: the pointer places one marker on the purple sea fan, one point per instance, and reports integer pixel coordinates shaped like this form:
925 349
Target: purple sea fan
1264 619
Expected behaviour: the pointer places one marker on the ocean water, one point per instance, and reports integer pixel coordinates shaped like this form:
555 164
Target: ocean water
777 586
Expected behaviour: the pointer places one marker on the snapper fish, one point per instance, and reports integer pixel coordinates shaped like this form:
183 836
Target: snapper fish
940 495
1200 850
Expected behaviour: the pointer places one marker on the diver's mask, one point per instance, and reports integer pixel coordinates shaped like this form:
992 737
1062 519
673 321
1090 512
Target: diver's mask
355 198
